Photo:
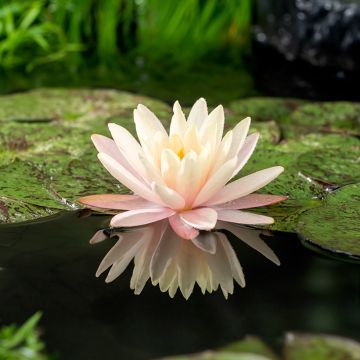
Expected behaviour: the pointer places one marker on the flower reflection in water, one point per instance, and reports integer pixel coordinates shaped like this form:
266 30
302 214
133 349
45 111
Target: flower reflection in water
174 263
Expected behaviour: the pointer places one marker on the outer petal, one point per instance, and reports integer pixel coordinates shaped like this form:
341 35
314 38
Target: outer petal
140 217
105 145
147 122
182 229
116 202
252 201
246 151
243 217
201 218
245 185
198 113
128 146
127 178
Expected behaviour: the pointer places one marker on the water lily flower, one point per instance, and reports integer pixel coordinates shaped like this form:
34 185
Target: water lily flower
184 175
168 261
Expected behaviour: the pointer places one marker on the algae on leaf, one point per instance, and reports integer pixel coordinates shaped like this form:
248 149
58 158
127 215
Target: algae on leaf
47 159
335 225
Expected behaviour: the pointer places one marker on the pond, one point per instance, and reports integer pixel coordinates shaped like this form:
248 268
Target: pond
50 266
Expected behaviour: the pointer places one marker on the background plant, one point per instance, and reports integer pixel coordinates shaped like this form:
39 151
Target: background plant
104 32
22 343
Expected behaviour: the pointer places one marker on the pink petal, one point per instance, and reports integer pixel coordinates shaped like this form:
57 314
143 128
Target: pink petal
184 230
242 217
246 185
116 202
107 146
126 178
201 218
246 151
252 201
140 217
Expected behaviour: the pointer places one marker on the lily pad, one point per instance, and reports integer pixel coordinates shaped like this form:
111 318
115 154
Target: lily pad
335 225
47 160
296 347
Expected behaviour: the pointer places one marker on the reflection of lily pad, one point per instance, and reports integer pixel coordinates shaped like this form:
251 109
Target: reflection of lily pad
296 347
335 225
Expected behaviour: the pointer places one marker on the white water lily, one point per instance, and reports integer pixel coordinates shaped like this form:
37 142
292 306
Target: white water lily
183 175
162 256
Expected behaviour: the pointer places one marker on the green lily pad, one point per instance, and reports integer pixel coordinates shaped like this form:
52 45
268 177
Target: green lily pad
335 225
320 347
47 159
296 347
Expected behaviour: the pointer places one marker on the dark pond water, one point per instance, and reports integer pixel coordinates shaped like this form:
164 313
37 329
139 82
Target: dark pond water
50 266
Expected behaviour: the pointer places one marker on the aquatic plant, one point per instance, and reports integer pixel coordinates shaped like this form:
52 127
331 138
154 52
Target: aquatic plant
27 38
90 32
23 342
183 176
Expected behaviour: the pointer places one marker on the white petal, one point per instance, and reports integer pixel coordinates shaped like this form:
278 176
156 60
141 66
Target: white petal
127 178
147 124
152 173
215 183
178 122
170 165
217 115
198 113
246 151
108 146
223 151
246 185
191 140
188 178
168 196
239 135
129 147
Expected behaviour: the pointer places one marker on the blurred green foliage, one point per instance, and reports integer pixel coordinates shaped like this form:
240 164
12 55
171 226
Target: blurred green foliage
22 343
109 32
